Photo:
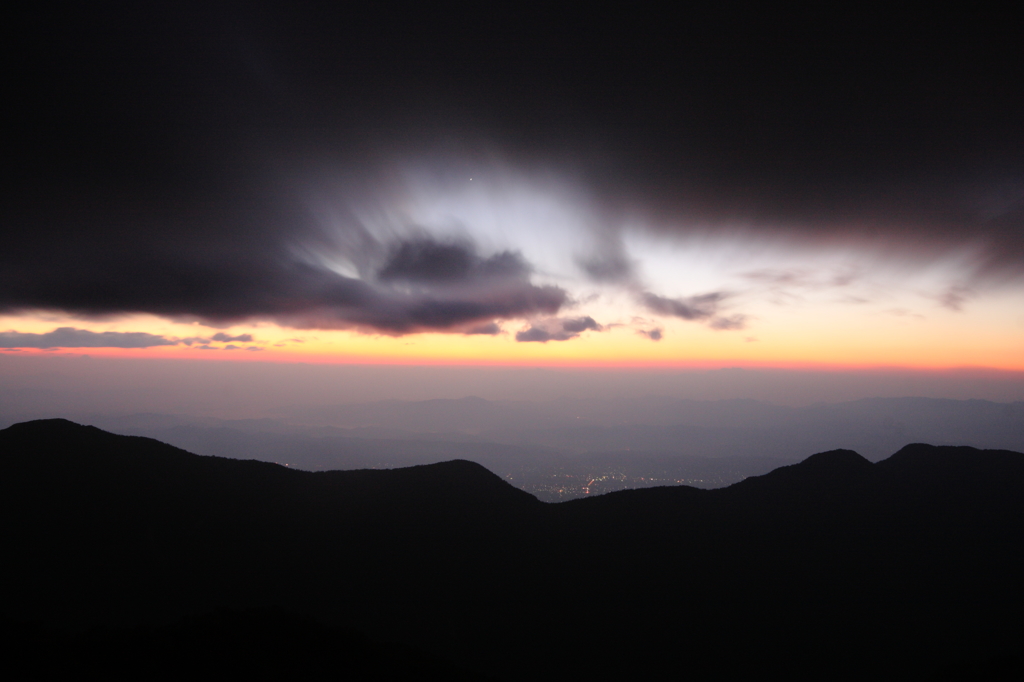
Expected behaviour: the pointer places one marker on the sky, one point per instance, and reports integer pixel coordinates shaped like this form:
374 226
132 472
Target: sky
602 191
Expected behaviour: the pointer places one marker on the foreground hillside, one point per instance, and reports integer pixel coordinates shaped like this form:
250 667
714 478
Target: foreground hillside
834 567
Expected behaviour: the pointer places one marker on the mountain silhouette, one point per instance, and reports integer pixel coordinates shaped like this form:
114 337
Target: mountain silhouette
831 568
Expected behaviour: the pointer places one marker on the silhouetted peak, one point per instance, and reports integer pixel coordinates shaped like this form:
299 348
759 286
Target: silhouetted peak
916 458
835 460
452 481
461 467
460 470
50 426
920 456
915 450
470 476
825 465
832 467
910 454
63 434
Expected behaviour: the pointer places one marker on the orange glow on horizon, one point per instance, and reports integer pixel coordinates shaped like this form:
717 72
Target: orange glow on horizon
599 358
828 337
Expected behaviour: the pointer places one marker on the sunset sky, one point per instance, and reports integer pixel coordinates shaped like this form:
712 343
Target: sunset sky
610 191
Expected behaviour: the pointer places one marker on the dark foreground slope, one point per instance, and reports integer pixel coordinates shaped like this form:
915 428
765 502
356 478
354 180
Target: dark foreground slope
835 567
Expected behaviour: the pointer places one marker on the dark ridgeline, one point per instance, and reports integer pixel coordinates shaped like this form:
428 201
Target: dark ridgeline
124 551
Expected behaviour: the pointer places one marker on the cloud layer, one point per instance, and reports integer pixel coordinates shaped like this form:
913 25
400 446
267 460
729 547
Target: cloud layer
422 285
173 174
68 337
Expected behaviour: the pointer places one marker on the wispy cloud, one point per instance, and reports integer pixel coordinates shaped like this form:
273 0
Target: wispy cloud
955 297
730 322
225 338
558 329
700 307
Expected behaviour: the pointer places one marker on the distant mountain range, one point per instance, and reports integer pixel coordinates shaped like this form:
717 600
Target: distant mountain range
833 568
564 449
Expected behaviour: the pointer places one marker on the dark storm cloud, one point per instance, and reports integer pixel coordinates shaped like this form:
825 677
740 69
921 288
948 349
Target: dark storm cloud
69 337
426 260
156 153
430 284
155 179
558 330
223 276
